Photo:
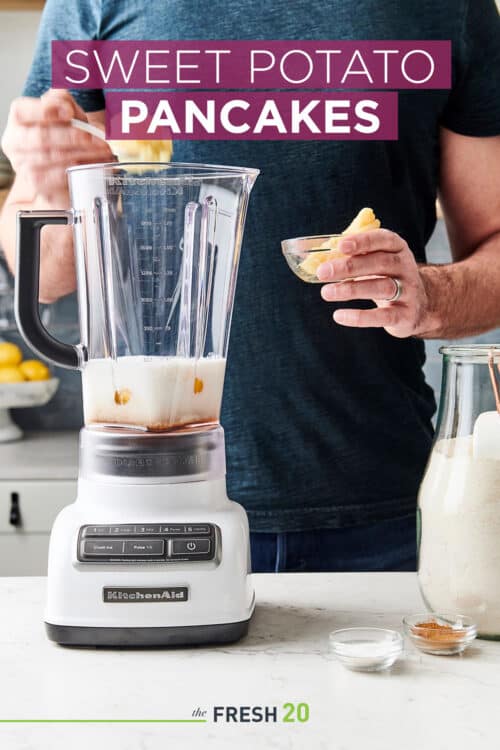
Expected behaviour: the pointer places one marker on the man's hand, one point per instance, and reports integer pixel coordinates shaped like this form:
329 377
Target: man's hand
373 261
449 301
41 144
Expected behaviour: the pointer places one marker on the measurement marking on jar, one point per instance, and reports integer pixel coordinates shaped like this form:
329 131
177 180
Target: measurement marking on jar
150 300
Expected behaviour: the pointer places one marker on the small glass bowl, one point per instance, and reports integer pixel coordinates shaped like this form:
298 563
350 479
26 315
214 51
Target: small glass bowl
366 649
304 255
434 639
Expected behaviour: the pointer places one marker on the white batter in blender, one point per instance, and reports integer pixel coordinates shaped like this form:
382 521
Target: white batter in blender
152 552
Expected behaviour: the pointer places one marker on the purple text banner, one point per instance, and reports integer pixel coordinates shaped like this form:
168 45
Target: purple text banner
281 64
252 116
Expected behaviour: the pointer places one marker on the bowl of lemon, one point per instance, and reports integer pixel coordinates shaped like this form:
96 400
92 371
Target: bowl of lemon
23 383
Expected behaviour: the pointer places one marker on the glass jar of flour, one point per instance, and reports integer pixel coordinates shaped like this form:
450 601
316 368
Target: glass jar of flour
459 501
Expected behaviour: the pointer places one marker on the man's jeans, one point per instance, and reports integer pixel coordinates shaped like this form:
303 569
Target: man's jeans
385 545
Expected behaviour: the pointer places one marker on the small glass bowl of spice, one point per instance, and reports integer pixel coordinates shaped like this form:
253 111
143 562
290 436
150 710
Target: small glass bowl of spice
441 634
366 649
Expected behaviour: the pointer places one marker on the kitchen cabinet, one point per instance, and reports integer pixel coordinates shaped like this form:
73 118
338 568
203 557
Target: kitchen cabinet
27 512
37 479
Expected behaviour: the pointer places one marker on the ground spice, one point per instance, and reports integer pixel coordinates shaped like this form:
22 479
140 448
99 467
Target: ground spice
433 631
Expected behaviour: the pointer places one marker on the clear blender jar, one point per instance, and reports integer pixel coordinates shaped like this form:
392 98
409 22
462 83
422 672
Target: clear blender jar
459 499
157 249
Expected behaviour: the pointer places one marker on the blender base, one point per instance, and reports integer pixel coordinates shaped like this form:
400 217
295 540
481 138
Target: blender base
186 635
152 553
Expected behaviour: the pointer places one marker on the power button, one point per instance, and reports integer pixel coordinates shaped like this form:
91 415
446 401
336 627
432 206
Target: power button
188 547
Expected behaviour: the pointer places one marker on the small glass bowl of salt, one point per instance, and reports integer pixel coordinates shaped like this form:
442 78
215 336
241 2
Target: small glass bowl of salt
366 649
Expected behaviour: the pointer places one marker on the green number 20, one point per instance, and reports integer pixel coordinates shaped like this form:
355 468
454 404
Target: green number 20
300 711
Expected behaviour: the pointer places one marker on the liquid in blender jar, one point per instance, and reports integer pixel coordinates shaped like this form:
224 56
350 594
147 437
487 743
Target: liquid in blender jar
153 393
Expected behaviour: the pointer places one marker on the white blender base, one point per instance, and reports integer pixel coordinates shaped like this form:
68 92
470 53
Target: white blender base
219 600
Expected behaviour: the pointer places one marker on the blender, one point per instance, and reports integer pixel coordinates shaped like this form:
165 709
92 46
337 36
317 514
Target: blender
152 552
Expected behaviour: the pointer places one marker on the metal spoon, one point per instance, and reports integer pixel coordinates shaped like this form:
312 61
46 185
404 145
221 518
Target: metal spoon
121 153
95 131
88 128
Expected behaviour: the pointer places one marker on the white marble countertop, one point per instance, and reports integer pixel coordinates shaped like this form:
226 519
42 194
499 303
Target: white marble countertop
40 455
424 702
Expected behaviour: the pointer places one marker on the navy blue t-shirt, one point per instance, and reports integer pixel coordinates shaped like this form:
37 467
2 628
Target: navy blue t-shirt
325 426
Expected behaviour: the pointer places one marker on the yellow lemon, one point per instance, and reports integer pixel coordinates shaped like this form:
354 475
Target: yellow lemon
11 375
33 369
10 354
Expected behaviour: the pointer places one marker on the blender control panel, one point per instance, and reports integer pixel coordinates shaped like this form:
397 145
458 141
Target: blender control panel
183 542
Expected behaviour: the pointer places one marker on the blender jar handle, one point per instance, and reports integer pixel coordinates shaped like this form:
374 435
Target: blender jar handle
29 226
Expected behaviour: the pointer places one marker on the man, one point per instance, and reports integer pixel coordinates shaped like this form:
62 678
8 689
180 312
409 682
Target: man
328 423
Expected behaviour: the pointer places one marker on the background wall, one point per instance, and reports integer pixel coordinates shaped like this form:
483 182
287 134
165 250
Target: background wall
17 40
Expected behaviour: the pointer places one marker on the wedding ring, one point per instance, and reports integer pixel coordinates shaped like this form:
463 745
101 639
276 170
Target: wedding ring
397 292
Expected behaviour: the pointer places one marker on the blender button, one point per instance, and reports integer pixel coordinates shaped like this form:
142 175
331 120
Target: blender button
190 546
197 529
96 531
144 547
172 529
147 529
99 547
121 530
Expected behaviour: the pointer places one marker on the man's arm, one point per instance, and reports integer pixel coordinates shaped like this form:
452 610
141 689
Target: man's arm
464 296
448 301
41 144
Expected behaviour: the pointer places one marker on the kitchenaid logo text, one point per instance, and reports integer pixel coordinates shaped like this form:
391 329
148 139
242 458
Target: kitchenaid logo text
141 595
240 90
